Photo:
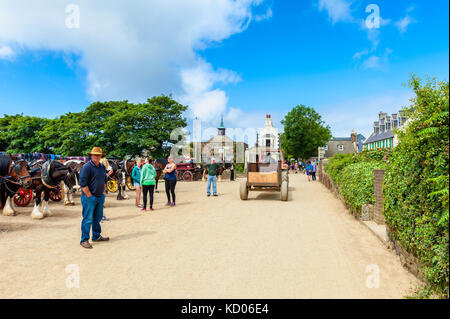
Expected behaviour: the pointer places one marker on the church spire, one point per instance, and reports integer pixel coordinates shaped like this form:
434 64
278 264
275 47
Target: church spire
221 128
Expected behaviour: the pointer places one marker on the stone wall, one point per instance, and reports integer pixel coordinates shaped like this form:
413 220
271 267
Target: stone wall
374 213
378 216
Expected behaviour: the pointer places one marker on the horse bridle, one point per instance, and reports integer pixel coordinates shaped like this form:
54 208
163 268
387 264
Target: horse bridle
16 167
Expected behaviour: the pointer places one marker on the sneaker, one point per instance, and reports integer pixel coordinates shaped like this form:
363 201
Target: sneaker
151 209
143 209
105 218
173 205
208 195
215 195
168 204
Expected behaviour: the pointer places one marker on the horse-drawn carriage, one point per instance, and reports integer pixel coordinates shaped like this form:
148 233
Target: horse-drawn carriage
189 172
24 196
268 174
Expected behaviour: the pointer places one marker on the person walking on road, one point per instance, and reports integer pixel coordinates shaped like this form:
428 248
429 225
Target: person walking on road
309 170
93 184
212 179
314 169
136 176
170 177
148 175
232 172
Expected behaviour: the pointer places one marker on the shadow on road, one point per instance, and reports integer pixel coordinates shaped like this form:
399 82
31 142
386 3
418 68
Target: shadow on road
132 235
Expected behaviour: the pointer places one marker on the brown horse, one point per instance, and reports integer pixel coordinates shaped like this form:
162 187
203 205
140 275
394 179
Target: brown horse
13 175
159 165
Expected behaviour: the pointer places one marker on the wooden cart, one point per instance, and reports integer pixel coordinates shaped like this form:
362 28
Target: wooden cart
269 174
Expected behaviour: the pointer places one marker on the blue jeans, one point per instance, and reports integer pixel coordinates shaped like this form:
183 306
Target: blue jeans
213 180
92 215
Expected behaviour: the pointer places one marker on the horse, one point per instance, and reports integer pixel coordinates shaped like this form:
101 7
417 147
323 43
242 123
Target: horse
118 175
46 177
159 165
72 181
13 175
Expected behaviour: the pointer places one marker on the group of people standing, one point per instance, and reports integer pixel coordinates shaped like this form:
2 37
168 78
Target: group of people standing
144 180
93 178
311 169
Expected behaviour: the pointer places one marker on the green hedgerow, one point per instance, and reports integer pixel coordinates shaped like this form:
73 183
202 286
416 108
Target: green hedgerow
416 187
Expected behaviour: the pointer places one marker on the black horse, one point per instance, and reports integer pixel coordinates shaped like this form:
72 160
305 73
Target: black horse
46 177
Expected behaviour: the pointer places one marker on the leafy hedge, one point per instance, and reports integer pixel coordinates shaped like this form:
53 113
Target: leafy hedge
416 187
353 173
356 184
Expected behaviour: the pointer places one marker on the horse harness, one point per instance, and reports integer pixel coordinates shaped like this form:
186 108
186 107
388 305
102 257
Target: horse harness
13 166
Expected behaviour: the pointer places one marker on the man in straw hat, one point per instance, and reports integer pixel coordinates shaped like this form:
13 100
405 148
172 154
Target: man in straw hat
92 182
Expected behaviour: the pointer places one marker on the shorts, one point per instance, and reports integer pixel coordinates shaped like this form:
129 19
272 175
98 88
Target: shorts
136 184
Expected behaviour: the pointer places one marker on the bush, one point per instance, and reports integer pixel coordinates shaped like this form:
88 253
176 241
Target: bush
416 187
337 164
356 184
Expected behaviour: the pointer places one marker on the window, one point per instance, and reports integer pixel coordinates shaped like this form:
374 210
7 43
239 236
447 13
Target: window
325 148
267 143
340 147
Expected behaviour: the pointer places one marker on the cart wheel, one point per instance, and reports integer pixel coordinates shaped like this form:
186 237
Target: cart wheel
55 194
23 197
112 186
243 190
130 184
188 176
284 190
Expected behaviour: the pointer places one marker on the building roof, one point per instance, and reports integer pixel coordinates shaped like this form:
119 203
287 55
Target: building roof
341 139
379 137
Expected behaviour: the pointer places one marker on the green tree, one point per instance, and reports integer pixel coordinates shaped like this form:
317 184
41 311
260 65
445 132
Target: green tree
18 133
304 132
119 127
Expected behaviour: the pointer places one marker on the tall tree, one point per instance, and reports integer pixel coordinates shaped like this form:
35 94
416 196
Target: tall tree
119 127
304 132
18 133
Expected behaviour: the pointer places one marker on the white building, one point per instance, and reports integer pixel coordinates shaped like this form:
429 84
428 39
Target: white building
267 144
268 137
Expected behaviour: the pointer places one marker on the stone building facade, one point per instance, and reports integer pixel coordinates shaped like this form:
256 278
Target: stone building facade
383 135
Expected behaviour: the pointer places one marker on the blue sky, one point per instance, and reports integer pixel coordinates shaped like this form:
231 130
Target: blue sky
241 60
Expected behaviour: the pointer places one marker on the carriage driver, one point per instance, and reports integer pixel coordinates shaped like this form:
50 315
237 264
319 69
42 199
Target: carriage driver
93 183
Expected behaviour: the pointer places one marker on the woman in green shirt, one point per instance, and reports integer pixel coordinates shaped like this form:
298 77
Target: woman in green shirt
148 175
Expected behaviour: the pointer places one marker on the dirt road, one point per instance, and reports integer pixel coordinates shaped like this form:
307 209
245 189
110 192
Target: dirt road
308 247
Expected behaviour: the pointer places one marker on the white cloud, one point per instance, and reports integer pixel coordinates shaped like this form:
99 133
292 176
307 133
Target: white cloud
206 103
134 50
377 61
402 24
6 52
264 16
338 10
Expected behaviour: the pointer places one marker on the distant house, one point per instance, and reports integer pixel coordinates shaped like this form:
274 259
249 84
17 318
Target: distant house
342 145
383 135
221 147
267 143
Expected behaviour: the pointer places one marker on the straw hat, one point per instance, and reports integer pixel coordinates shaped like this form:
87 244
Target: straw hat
96 151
